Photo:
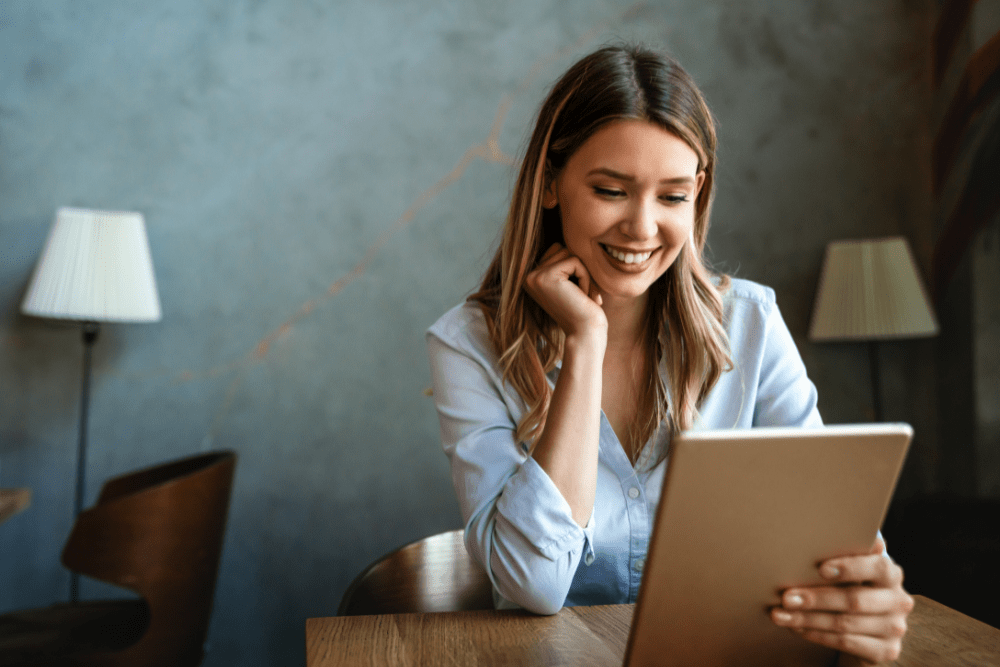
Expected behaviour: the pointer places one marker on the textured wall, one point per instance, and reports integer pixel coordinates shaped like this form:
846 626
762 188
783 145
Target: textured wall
321 180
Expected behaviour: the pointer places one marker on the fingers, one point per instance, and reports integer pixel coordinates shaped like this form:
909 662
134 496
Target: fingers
862 611
872 649
552 257
865 621
557 263
561 285
558 266
874 569
881 625
873 637
551 252
852 599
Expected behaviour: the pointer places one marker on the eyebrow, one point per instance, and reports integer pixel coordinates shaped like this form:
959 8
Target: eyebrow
677 180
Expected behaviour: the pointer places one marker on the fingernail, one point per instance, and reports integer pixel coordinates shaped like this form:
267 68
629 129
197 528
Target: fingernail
793 601
782 616
830 571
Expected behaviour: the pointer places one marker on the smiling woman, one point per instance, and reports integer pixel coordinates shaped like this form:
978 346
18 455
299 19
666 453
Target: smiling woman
650 94
597 333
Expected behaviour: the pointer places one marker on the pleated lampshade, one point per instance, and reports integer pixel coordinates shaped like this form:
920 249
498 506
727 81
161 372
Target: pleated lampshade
870 290
95 266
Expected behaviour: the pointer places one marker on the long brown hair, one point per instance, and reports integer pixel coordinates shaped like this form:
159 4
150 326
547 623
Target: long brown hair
685 330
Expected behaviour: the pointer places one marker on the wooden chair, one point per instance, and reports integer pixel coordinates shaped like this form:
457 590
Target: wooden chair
157 532
429 575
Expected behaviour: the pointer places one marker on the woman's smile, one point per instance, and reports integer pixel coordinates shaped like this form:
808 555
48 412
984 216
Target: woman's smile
634 259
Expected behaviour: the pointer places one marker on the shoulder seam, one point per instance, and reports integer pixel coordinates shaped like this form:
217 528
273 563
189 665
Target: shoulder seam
744 290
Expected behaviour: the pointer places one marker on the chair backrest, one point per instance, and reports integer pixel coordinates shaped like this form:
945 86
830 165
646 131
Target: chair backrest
159 532
432 574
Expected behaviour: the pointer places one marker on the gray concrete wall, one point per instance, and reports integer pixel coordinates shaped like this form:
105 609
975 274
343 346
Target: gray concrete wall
321 180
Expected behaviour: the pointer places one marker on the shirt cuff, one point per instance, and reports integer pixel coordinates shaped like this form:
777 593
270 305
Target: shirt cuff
588 544
533 505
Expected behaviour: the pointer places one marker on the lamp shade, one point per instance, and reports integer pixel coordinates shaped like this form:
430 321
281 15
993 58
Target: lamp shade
96 266
870 290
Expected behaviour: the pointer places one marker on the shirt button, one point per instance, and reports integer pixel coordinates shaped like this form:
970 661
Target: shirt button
633 493
588 559
639 564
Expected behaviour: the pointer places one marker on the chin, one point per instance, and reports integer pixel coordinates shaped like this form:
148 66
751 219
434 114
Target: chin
629 287
616 290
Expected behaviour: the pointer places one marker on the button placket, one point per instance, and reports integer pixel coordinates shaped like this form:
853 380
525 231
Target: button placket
638 543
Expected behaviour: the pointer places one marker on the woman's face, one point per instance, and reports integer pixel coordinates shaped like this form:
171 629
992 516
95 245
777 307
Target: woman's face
626 199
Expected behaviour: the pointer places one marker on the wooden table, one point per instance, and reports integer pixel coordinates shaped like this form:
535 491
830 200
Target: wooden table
938 637
13 501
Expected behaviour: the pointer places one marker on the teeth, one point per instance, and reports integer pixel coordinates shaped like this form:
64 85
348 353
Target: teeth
627 257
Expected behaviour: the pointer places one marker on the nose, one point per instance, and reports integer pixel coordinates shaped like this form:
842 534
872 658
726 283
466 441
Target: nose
640 223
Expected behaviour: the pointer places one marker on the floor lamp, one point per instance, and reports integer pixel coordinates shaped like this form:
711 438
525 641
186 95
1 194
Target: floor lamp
869 290
95 267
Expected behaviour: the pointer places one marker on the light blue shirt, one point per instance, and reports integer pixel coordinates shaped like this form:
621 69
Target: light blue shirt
517 524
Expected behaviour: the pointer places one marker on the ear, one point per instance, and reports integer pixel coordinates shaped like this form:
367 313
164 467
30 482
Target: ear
699 180
550 198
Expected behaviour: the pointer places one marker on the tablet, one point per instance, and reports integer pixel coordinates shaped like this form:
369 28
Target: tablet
743 515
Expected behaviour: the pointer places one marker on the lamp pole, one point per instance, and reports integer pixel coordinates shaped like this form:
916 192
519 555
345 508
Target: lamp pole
90 331
876 379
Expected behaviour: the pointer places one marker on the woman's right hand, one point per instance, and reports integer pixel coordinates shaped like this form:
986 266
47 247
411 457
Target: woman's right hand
576 307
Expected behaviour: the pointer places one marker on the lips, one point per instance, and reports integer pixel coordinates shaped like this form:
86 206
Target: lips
626 256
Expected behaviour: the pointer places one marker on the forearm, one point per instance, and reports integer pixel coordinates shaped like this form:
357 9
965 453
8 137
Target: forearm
567 448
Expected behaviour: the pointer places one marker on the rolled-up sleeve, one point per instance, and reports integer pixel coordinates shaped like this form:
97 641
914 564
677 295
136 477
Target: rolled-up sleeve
517 524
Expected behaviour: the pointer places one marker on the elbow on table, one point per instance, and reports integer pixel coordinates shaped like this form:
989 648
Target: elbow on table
539 595
538 604
528 577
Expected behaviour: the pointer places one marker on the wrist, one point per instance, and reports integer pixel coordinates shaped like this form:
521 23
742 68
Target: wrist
587 343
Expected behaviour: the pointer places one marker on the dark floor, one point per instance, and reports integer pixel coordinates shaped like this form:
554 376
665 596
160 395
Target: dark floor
949 549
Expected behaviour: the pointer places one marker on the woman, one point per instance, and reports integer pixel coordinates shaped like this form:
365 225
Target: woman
598 332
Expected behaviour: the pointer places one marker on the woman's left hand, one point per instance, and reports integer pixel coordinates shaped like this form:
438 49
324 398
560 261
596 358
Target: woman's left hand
862 612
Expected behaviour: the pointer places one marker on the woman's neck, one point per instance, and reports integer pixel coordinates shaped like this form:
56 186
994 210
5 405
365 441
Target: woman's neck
625 381
626 321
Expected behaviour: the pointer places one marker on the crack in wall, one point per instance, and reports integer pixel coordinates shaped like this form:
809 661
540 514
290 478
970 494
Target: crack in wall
488 150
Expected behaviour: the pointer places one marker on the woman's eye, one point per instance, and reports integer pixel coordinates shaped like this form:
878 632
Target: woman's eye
608 192
674 199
